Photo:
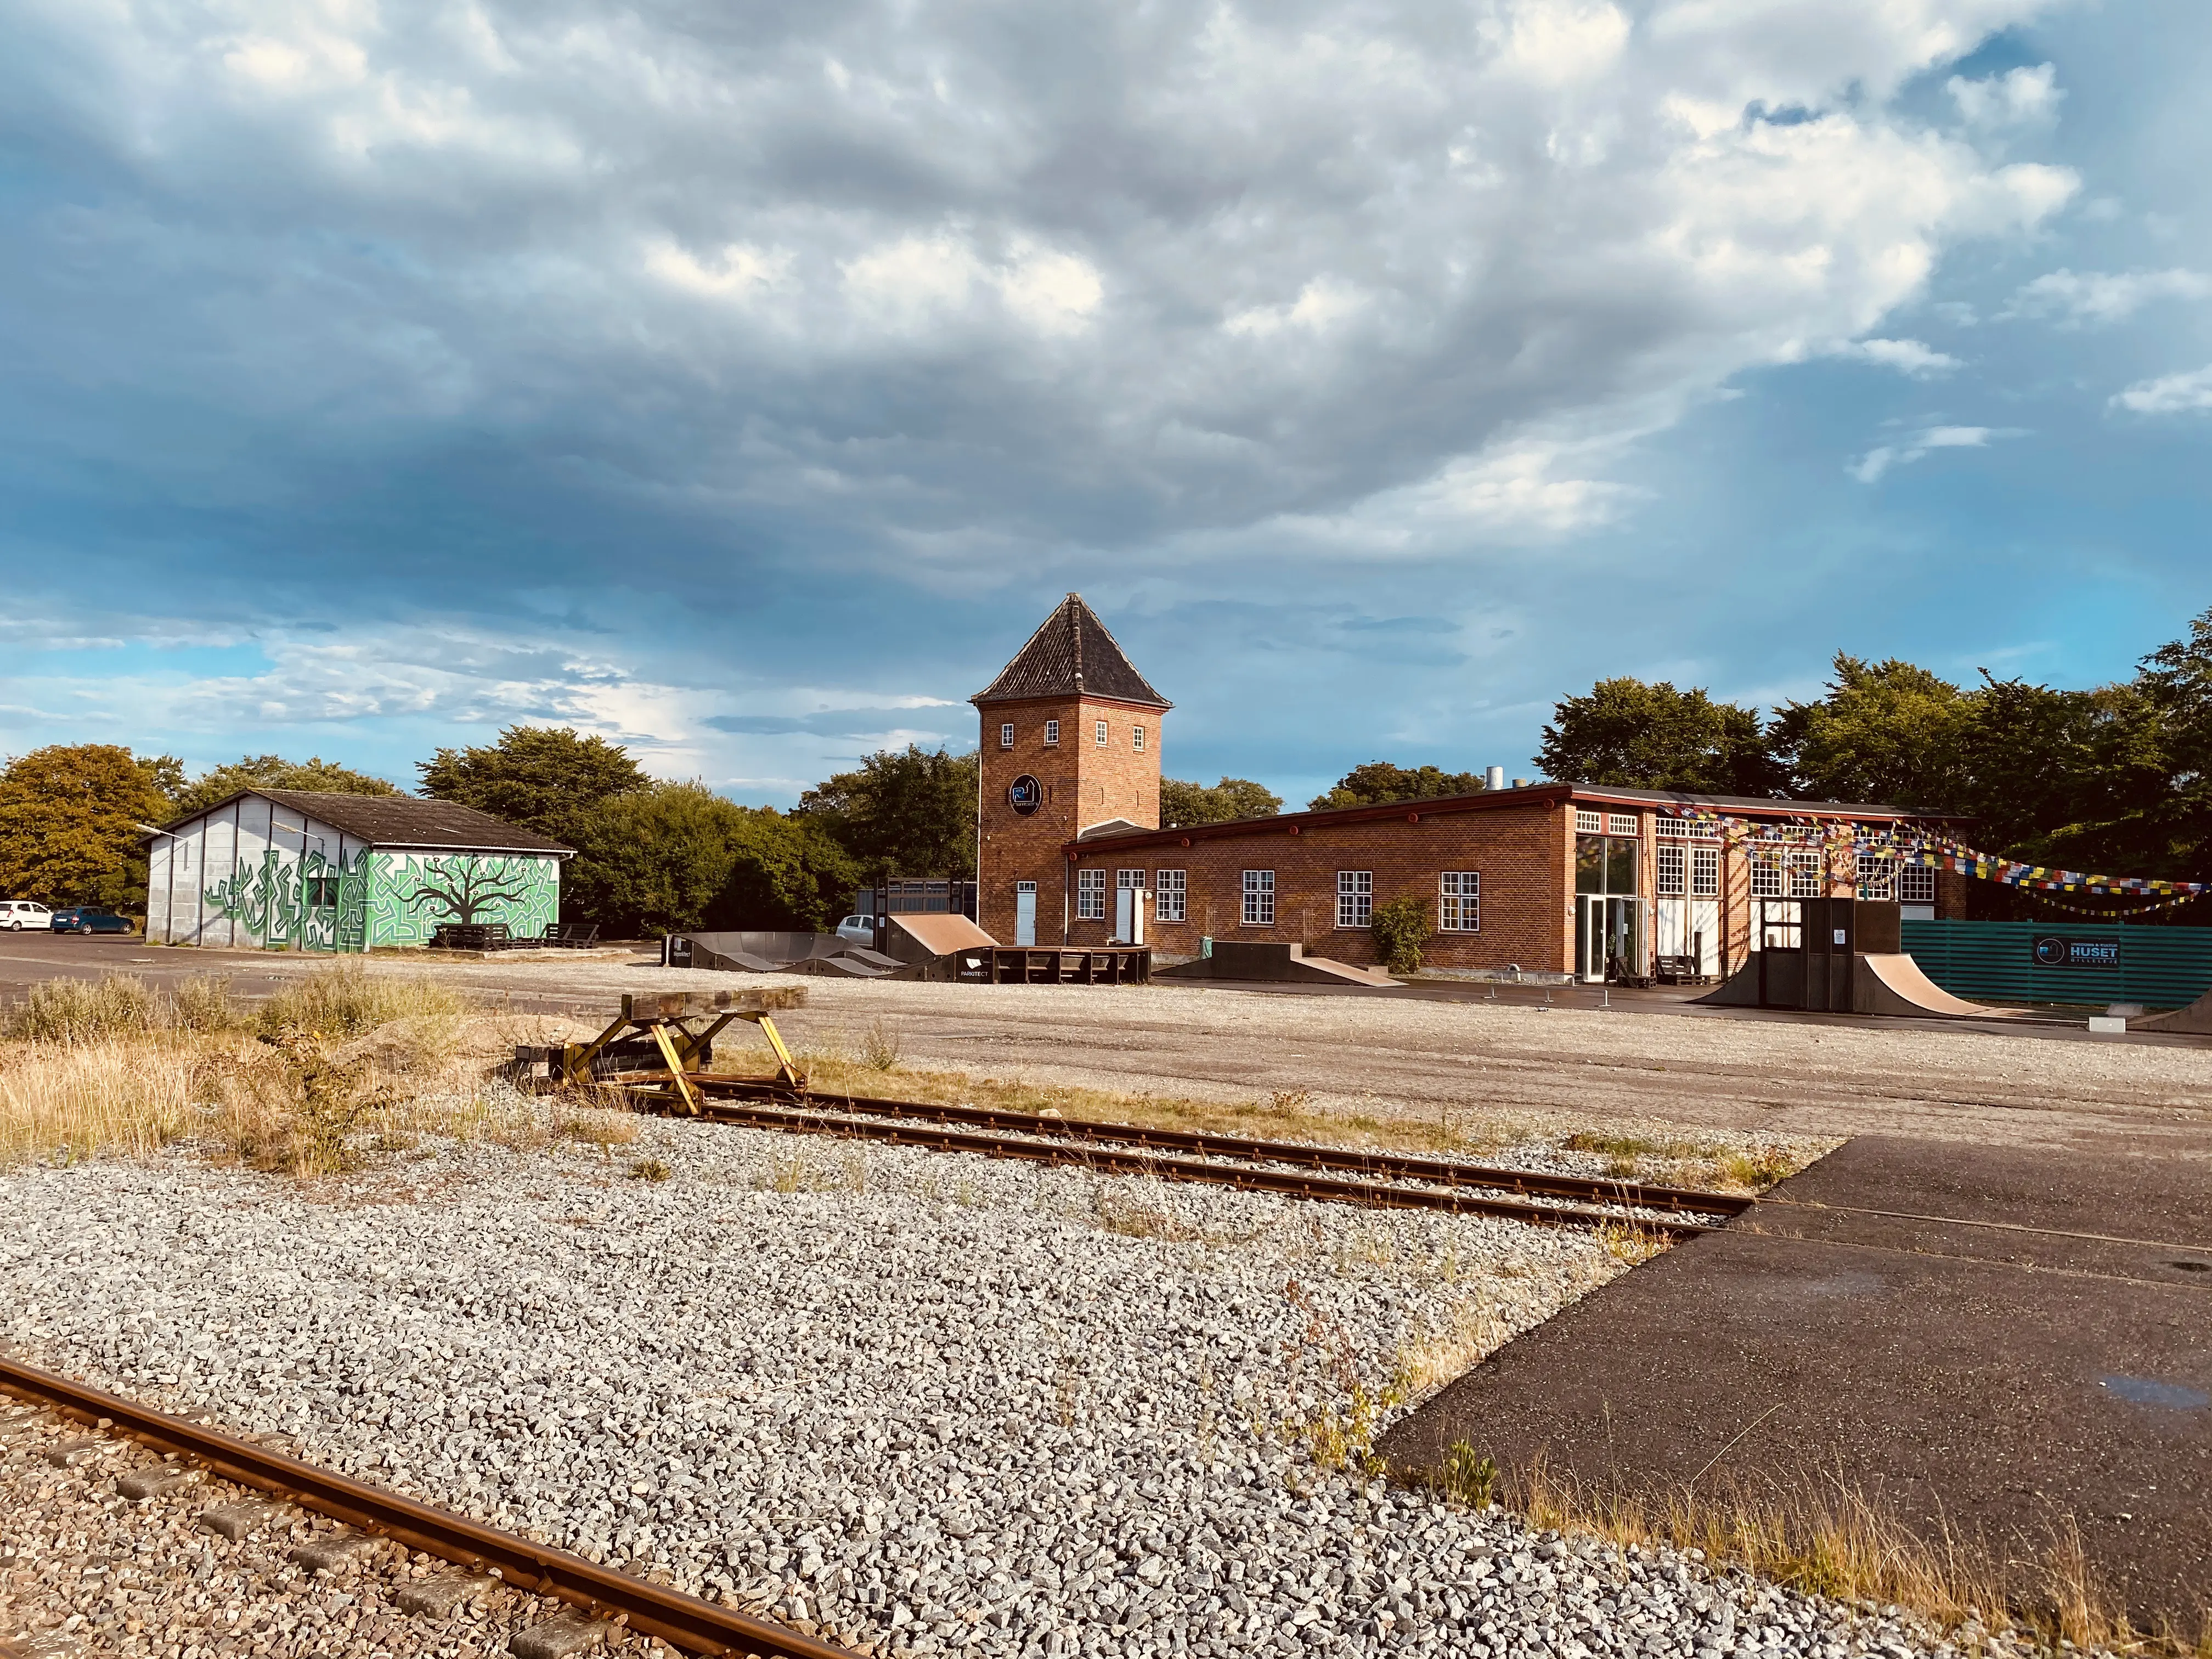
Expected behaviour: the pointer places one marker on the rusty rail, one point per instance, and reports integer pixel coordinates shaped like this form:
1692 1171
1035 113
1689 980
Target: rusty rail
682 1621
1374 1165
1245 1177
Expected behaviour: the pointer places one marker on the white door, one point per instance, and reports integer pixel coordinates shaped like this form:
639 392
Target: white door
1129 916
1025 912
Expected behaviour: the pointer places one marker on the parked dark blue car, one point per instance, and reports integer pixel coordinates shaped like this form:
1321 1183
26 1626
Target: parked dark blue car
91 919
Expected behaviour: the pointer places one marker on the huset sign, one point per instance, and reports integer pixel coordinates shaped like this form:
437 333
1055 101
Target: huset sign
2052 952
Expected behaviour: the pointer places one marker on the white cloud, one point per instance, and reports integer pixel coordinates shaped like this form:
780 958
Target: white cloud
1233 267
1870 467
1911 357
2090 296
2019 97
2169 394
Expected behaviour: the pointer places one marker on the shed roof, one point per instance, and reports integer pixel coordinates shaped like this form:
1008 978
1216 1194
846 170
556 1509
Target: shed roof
401 820
1071 655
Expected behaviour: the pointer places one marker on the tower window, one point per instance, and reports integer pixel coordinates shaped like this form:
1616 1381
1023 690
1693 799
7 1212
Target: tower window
1137 738
1006 735
1099 730
1052 731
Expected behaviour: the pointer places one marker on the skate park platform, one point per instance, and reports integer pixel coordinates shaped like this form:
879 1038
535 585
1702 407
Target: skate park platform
1997 1345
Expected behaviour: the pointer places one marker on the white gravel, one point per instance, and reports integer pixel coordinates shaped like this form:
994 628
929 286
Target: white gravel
918 1402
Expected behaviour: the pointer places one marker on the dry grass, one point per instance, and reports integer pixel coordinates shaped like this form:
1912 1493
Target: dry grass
1826 1535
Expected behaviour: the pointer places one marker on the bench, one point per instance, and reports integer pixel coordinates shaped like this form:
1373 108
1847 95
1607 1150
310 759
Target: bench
1677 970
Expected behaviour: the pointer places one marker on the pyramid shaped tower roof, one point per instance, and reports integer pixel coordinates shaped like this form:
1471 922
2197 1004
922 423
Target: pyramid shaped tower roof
1071 655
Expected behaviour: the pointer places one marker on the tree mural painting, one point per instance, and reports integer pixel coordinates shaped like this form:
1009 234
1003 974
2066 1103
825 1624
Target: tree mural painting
412 896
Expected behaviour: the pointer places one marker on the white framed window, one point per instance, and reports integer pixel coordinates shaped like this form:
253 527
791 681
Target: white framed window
1259 898
1355 897
1459 901
1137 740
1622 824
1766 872
1704 873
1809 874
1099 730
1090 895
1588 821
1006 735
1915 884
1171 890
1669 829
1052 731
1877 876
1672 865
1125 879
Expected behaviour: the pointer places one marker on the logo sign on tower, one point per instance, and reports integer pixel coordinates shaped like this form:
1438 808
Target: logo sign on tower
2051 950
1025 794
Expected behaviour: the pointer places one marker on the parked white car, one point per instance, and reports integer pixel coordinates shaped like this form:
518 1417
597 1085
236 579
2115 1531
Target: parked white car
858 930
16 914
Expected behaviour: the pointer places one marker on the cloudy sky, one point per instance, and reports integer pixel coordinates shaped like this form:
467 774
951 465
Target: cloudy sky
745 381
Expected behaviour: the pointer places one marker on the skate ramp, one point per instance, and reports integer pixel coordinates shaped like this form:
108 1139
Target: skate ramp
920 936
2195 1020
1894 984
1235 960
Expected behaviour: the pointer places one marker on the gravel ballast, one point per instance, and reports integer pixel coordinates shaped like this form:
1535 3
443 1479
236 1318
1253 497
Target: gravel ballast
916 1402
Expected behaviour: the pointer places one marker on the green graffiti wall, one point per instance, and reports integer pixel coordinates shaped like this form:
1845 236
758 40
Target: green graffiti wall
310 902
302 903
412 893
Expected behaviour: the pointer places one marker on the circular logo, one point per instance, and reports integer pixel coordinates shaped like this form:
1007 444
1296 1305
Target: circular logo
2050 951
1025 794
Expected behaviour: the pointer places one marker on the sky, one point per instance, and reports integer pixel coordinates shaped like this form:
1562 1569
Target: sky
745 383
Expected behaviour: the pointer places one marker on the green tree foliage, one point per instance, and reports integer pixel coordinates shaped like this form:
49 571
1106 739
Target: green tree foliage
544 778
911 814
677 856
1378 783
1884 732
275 772
1634 735
1182 803
69 823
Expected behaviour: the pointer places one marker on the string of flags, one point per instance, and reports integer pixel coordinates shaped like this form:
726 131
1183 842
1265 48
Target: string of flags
1922 846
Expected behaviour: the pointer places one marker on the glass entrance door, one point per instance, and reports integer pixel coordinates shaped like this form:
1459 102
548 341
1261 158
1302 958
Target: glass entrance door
1608 936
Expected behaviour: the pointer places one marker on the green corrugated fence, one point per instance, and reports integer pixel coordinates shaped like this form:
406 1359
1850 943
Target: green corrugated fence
1998 962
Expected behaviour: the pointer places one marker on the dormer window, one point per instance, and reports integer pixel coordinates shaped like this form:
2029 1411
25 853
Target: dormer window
1137 738
1052 732
1006 735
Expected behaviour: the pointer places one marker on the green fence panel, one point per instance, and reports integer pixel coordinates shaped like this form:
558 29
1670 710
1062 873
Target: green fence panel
1998 962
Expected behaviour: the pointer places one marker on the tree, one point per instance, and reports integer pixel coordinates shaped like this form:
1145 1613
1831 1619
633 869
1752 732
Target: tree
1886 732
678 856
1633 735
70 818
1378 783
911 814
1184 803
543 778
275 772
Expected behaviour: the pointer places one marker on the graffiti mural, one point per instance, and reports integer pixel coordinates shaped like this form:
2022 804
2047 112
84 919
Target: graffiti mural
286 900
303 903
411 895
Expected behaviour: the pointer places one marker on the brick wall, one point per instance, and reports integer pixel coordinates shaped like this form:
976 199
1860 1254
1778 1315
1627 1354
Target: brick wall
1523 854
1084 783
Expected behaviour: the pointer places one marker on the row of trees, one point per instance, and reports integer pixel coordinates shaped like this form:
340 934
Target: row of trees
2116 777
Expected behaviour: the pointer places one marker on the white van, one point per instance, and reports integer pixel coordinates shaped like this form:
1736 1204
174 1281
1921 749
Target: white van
16 914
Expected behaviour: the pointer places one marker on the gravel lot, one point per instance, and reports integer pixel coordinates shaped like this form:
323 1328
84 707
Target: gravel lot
918 1402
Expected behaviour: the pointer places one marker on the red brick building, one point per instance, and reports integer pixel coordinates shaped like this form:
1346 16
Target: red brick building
1557 878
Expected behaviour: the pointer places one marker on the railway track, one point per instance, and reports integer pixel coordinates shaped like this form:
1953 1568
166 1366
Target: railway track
682 1621
1378 1180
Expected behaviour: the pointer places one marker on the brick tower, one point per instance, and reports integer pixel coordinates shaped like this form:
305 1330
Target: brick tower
1071 741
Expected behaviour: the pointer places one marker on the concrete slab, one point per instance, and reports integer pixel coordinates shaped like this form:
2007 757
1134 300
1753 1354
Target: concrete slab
1990 1341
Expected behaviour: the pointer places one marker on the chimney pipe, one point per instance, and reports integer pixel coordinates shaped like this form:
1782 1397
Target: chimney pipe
1494 778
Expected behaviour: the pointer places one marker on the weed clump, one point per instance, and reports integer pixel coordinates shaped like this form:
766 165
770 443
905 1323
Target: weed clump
113 1006
349 1001
879 1046
649 1169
